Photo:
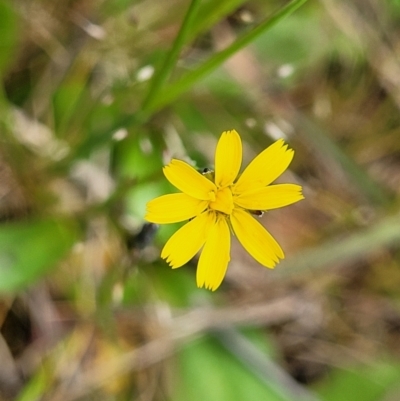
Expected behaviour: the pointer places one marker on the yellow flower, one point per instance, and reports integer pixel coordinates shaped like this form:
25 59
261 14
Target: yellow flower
215 204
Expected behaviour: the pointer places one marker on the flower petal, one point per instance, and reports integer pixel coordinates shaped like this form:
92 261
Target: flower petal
257 241
173 208
188 240
184 177
214 257
228 158
265 168
270 197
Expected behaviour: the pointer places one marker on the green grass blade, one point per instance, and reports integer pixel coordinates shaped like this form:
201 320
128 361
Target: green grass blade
263 367
211 13
170 61
385 233
174 90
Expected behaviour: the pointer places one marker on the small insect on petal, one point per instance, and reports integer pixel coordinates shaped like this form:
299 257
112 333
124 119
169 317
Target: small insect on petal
258 213
188 180
271 197
257 241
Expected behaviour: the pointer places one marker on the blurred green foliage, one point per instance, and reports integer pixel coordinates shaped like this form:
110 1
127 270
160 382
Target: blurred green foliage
21 268
9 34
96 97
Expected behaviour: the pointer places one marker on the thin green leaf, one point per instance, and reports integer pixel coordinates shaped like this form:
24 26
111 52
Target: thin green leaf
35 387
345 250
262 366
174 90
211 13
207 371
170 61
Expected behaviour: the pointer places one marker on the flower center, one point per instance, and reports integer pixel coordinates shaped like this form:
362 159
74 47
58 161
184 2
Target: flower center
223 201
